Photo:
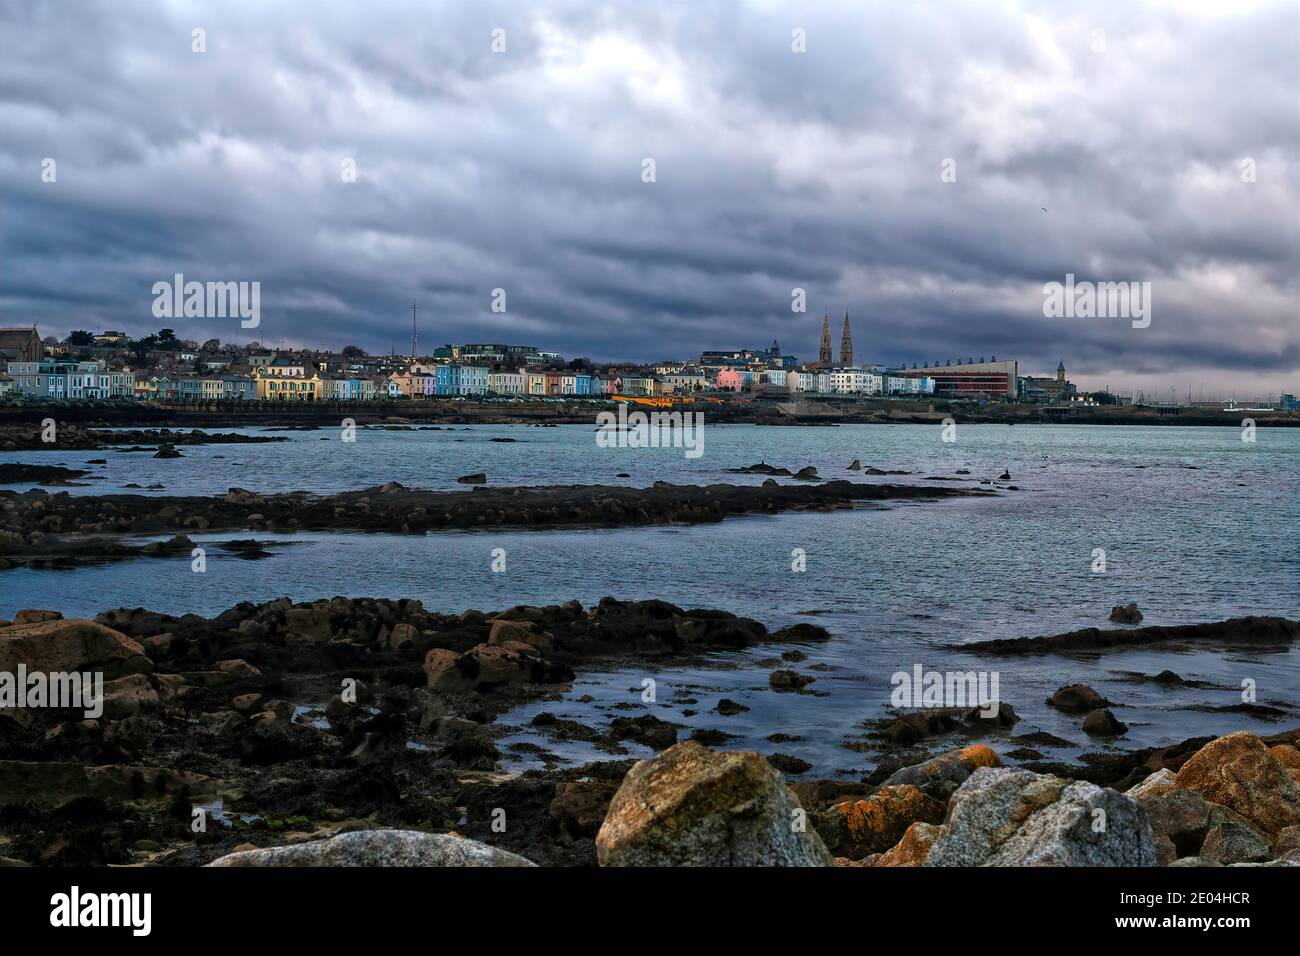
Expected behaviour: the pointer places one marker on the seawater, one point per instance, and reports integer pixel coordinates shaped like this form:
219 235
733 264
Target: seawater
1196 525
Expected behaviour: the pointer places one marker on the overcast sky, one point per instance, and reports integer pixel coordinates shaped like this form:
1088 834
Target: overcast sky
1104 140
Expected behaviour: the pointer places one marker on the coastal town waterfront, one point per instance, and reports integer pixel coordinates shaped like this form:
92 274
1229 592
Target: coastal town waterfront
608 438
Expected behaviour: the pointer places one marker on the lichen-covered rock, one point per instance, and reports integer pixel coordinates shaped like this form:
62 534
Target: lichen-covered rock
691 806
1230 843
913 849
940 776
1289 757
378 848
1288 838
1240 773
856 828
1002 817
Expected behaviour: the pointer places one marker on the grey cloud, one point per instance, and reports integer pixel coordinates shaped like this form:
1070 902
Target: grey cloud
775 170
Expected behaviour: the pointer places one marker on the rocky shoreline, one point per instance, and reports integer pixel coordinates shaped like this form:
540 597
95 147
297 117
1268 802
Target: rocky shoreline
361 731
1251 630
45 529
347 712
72 437
464 412
13 473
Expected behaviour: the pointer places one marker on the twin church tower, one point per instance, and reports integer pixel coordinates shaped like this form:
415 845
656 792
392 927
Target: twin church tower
826 360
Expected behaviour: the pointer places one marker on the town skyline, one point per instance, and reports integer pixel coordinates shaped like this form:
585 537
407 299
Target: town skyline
1152 389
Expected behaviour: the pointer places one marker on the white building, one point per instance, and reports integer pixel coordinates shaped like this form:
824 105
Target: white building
907 385
799 381
682 381
473 380
506 383
851 381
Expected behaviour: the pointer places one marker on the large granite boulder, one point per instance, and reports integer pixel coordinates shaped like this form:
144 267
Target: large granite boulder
691 806
1239 772
378 848
1002 817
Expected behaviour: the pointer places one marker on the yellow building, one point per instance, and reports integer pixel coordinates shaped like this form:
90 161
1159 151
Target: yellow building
287 388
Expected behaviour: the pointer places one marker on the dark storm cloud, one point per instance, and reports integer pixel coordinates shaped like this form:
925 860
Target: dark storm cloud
775 170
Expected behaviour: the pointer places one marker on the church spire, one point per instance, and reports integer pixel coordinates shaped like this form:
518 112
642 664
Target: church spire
825 360
846 344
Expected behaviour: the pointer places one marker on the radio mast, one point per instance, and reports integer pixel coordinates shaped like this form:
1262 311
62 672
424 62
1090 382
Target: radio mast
415 336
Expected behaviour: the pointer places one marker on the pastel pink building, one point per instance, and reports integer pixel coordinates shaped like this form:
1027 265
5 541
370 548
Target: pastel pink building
734 379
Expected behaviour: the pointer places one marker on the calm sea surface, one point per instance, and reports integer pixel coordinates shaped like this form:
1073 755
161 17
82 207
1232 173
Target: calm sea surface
1196 525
